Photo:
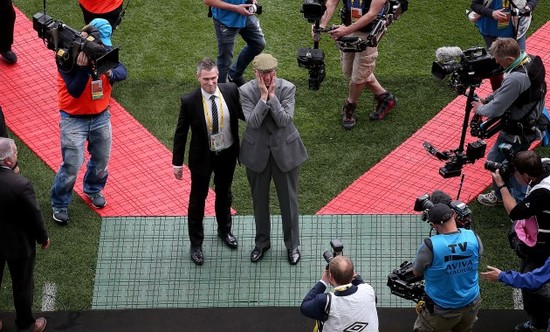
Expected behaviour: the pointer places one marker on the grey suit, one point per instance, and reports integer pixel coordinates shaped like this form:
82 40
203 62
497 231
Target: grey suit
272 148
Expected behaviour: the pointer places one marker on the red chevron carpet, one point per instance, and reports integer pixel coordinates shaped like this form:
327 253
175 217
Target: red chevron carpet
392 185
29 101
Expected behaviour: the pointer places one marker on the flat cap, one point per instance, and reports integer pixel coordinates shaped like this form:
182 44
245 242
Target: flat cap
264 62
440 213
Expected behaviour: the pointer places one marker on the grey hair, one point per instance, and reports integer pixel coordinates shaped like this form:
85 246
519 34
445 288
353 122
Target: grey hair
6 148
205 64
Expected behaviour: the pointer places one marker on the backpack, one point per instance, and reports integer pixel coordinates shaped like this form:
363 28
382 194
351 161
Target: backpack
533 119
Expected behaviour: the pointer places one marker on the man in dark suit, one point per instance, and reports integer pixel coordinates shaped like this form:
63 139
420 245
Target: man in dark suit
272 149
21 227
212 112
3 130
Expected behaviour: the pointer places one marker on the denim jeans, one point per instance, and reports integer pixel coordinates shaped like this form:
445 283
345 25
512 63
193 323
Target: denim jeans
517 190
255 43
75 131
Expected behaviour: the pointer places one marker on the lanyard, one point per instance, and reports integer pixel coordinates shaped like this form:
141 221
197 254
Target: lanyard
207 115
520 61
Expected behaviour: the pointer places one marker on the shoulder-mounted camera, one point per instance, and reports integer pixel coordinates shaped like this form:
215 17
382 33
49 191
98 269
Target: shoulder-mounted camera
68 43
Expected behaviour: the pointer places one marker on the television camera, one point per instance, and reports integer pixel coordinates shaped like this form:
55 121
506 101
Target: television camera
467 69
313 59
68 43
403 283
463 213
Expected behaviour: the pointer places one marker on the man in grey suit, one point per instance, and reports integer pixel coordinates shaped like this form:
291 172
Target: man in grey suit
272 148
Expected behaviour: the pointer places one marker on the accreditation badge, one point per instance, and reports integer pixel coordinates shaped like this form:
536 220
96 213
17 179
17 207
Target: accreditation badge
217 142
97 89
356 13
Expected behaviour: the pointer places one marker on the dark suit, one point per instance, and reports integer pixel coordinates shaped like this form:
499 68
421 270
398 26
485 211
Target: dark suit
21 227
203 162
3 131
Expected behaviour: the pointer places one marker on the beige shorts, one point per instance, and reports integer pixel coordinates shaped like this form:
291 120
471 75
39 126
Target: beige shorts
359 66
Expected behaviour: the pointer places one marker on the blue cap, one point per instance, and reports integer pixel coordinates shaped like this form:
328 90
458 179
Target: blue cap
105 30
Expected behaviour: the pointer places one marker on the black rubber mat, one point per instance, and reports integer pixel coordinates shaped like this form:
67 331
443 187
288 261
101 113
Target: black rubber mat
263 319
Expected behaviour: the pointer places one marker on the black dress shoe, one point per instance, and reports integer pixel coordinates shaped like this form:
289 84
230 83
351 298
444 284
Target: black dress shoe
293 256
230 240
258 253
196 255
9 57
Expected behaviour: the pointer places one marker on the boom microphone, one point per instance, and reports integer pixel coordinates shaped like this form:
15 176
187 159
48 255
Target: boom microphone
448 53
439 196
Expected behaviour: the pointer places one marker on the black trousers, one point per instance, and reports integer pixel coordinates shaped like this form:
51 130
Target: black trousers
7 23
21 272
223 167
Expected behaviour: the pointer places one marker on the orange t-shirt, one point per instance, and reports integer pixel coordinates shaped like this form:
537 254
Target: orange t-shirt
100 6
83 105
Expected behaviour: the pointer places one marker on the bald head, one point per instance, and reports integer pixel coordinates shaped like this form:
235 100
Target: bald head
341 269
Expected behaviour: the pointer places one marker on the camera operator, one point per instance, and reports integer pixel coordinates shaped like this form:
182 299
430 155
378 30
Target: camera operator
529 170
449 262
352 304
84 100
519 102
232 17
358 67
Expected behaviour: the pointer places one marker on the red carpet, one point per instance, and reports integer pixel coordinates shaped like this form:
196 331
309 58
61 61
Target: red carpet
29 100
392 185
134 188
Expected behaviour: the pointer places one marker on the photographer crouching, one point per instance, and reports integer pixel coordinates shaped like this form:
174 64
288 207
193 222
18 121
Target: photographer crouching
84 96
518 103
352 304
448 261
530 170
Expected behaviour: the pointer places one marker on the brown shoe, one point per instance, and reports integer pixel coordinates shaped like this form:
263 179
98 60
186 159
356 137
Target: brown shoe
0 325
39 325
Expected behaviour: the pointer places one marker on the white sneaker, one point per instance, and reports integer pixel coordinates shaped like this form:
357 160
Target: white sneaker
489 199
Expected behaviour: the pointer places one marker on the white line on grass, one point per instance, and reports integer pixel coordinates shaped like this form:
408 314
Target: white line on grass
48 296
518 300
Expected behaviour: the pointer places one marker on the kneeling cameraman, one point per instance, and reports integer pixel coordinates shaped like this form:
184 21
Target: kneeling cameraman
529 170
352 304
448 261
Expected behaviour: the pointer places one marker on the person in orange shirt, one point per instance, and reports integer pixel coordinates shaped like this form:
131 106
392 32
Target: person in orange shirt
107 9
84 97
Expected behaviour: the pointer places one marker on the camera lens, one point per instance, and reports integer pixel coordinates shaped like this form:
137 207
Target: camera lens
328 256
492 166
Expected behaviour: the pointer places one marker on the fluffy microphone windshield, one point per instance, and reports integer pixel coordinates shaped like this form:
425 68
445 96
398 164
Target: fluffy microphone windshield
448 53
439 196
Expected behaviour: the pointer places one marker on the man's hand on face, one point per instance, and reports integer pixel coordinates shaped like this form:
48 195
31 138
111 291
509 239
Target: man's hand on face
271 89
261 85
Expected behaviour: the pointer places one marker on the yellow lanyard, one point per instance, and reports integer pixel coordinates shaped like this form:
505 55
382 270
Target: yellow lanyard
207 115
